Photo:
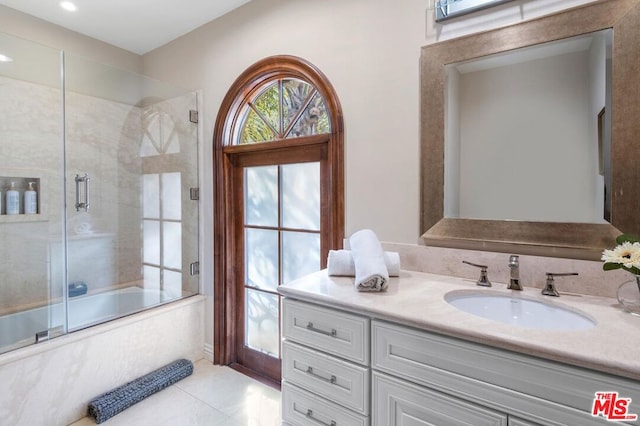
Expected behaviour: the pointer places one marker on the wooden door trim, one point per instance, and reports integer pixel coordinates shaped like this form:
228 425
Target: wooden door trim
225 161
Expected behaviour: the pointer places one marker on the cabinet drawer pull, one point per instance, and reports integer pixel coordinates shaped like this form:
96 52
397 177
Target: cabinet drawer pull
332 333
309 415
310 372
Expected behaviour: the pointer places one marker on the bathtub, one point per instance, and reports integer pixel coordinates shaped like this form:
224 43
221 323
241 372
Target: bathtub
20 329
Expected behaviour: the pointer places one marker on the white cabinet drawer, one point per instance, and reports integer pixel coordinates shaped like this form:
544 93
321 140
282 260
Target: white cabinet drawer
301 408
339 381
338 333
551 392
398 403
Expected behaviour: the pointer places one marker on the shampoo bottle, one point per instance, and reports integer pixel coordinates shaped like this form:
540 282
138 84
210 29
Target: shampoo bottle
13 200
30 200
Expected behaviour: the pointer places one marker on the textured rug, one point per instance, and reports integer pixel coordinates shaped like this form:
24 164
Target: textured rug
119 399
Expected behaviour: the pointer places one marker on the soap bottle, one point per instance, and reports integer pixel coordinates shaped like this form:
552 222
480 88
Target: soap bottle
13 200
30 200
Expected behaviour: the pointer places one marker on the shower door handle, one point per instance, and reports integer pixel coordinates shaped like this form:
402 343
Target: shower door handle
82 192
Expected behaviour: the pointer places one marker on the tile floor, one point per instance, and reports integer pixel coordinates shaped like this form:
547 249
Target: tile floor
212 395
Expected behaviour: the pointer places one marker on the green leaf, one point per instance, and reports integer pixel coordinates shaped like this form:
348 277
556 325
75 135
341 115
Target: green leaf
633 270
609 266
626 238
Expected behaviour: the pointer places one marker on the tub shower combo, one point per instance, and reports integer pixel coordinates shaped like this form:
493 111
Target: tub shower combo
113 159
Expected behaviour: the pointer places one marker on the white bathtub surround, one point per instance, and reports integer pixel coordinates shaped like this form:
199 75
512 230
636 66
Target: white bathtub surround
52 382
592 280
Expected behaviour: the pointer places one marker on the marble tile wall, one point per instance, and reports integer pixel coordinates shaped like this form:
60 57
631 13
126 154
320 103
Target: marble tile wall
30 131
103 139
592 280
51 383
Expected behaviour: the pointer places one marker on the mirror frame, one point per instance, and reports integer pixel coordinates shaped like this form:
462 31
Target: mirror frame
569 240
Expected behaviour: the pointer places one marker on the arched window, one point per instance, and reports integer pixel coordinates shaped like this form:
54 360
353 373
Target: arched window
279 203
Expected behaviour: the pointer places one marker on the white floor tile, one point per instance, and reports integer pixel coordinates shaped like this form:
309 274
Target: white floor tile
212 395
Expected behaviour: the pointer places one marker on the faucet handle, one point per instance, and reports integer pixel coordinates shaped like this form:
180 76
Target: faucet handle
484 279
550 288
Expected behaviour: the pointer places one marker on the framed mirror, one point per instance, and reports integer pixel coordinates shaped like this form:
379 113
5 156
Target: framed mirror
614 136
447 9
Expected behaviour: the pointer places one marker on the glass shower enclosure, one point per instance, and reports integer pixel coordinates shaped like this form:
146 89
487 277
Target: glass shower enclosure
113 160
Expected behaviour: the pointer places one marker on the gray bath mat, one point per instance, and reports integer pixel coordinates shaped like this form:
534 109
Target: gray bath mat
119 399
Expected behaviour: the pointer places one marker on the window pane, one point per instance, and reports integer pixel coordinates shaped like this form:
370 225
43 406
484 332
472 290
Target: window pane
151 277
300 254
261 195
262 331
295 93
151 196
254 129
314 120
151 237
301 196
261 258
171 196
268 104
172 245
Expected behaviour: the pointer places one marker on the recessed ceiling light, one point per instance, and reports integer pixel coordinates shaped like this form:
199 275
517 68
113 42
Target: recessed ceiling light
5 58
67 5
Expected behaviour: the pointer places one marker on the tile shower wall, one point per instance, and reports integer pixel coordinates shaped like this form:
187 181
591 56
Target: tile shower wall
591 281
99 133
30 131
103 140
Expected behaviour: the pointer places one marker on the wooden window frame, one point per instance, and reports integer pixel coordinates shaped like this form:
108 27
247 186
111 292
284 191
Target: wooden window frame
226 159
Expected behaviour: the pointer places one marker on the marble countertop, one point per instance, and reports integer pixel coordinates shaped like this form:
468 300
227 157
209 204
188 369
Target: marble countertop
417 299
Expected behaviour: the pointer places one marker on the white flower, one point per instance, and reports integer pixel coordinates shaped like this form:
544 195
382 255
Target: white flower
627 254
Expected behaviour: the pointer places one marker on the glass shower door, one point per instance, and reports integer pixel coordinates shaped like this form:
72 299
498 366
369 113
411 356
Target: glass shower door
113 159
132 226
31 156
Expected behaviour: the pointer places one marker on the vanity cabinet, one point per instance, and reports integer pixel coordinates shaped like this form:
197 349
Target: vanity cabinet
397 402
504 387
325 366
343 368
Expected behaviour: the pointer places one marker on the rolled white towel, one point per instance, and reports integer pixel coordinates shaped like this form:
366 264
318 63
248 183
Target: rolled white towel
340 263
369 261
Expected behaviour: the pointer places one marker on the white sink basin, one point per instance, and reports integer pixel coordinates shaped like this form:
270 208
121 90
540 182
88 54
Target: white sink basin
519 311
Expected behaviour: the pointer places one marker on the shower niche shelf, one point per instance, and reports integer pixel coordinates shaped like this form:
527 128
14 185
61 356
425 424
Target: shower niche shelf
21 180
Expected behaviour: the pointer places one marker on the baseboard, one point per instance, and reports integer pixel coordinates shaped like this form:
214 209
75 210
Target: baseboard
208 352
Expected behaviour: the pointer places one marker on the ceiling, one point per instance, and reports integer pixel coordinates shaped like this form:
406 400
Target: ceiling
138 26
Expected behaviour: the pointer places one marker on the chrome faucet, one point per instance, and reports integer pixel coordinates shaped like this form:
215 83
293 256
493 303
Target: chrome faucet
484 278
549 288
514 265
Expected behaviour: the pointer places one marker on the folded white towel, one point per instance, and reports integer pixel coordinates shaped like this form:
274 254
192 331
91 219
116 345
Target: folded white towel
340 263
368 258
